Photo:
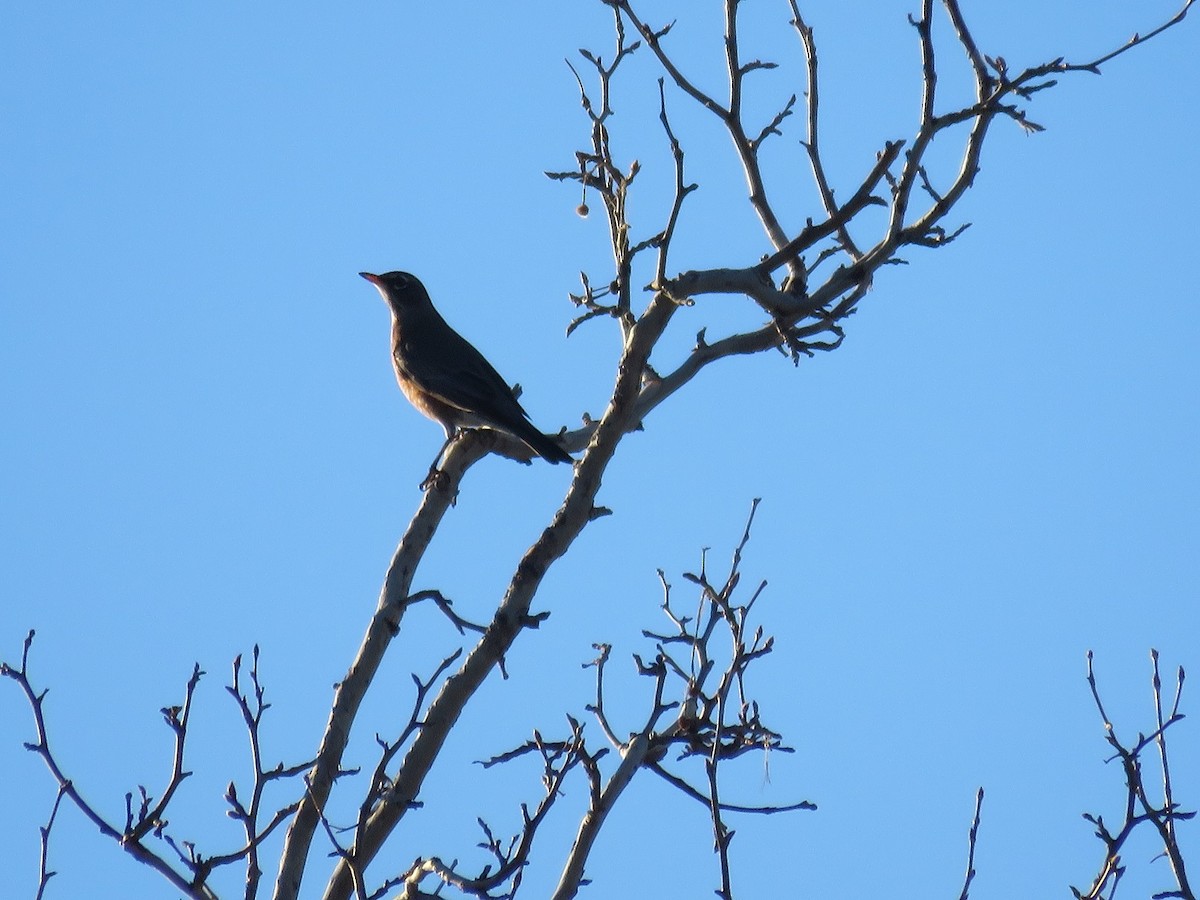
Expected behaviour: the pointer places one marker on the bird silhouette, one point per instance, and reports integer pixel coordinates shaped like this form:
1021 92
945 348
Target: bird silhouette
445 377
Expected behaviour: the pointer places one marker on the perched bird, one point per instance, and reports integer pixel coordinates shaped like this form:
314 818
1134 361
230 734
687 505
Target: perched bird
446 378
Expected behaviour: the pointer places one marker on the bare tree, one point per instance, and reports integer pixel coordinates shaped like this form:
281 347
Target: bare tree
809 279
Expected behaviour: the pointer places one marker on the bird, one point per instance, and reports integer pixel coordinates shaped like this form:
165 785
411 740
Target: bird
445 377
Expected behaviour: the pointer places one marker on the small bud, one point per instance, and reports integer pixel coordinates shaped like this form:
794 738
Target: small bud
582 210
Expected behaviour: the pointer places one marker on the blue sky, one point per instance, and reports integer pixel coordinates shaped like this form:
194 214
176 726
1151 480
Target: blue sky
205 448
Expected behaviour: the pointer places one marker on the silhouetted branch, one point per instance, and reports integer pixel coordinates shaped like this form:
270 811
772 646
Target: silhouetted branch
44 872
1094 65
147 819
558 758
383 627
972 837
714 716
838 296
1139 808
381 783
701 704
127 838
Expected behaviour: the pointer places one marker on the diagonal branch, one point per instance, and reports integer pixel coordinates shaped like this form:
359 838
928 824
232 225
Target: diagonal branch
384 625
513 614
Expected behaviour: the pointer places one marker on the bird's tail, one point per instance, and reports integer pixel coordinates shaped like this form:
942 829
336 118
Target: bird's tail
545 446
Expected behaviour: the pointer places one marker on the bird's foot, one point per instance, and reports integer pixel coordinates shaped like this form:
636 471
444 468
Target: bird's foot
436 479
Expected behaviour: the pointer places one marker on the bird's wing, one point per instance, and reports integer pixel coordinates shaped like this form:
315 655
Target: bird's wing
459 375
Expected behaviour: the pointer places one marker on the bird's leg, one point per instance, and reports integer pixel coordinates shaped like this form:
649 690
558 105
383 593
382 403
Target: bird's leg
435 476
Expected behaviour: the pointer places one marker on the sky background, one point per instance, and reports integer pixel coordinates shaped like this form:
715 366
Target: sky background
204 447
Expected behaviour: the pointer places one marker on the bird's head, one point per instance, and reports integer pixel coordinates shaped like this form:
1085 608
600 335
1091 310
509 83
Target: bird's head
401 290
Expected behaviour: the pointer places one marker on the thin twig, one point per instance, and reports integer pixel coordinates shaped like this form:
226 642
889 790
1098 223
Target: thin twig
972 837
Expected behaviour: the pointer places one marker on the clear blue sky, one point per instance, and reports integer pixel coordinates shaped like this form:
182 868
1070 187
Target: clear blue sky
204 448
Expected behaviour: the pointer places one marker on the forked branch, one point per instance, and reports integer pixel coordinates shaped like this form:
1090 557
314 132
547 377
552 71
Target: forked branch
1139 808
146 820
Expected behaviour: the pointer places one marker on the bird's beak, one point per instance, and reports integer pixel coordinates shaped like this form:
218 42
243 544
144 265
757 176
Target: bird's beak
374 279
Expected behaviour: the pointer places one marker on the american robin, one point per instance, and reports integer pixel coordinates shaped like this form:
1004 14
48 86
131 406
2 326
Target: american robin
446 378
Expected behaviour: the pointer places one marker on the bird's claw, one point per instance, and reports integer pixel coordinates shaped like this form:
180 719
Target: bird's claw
435 479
